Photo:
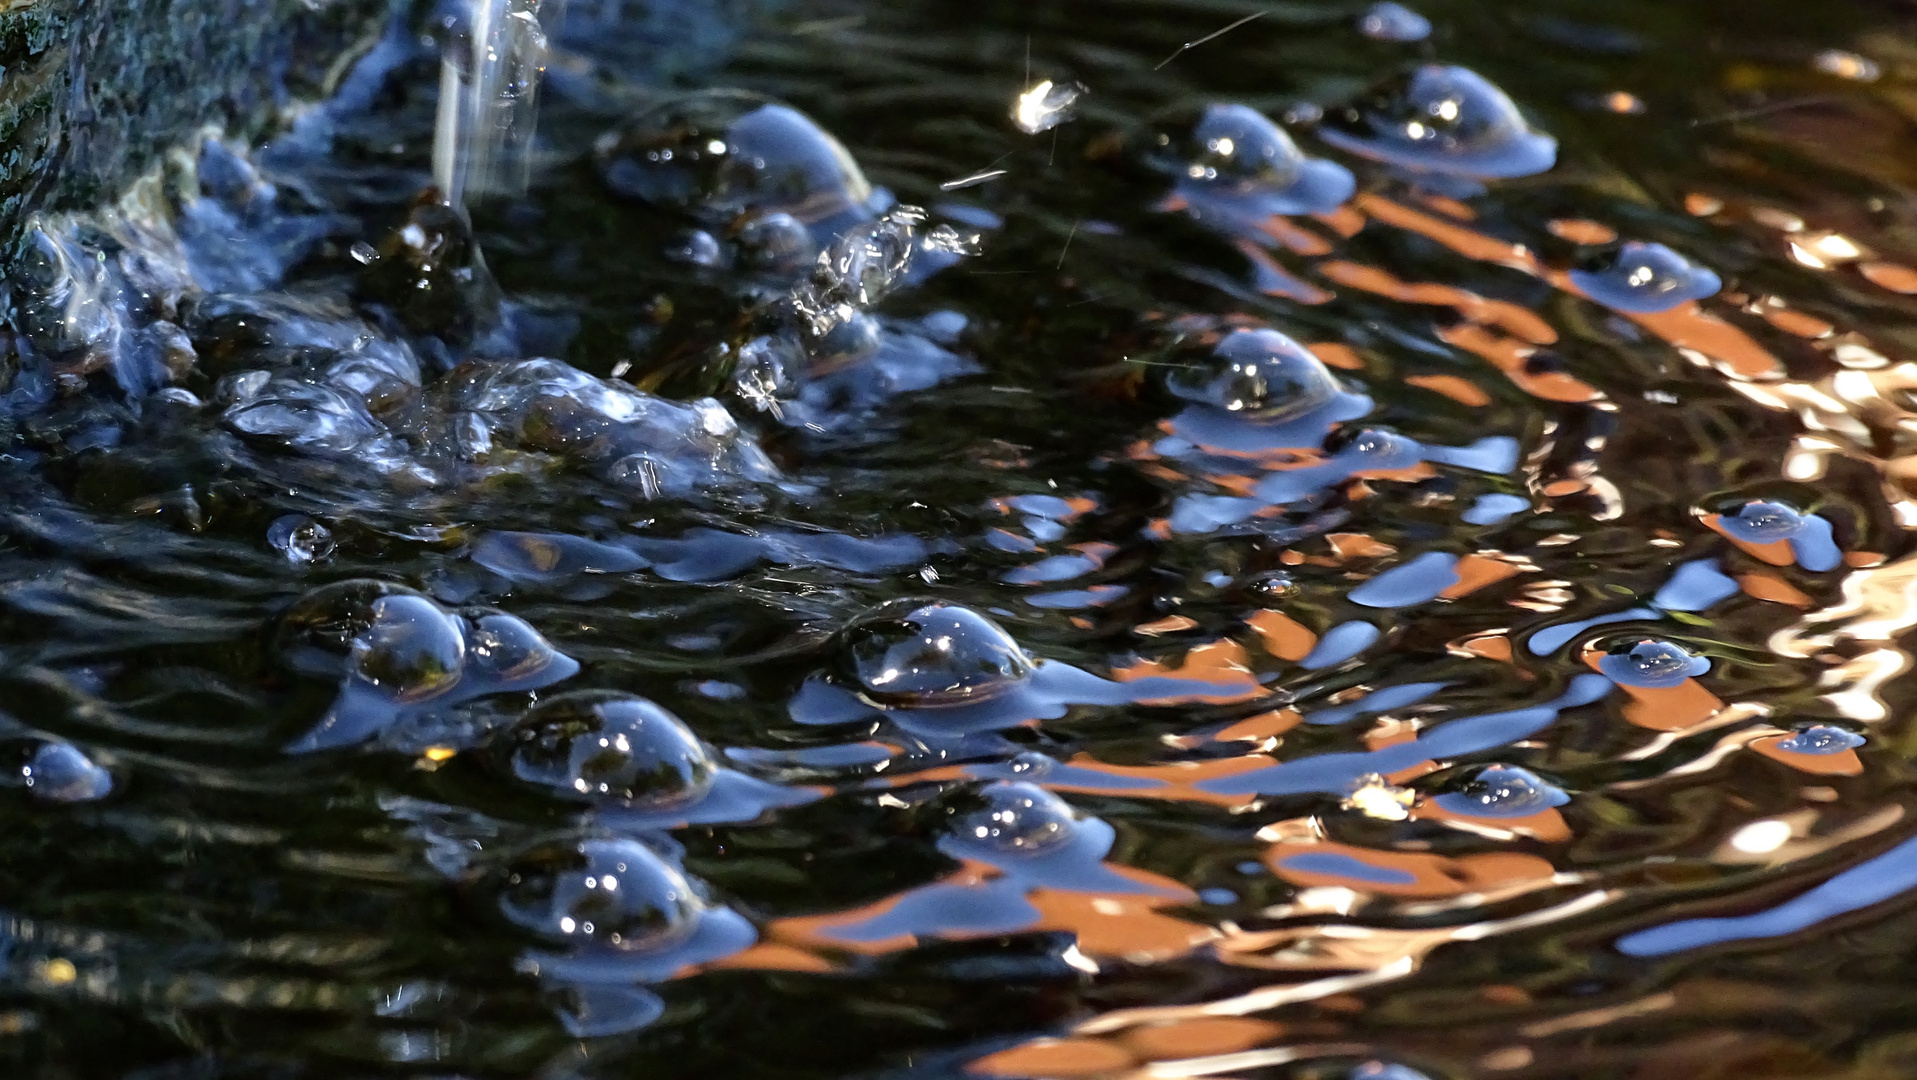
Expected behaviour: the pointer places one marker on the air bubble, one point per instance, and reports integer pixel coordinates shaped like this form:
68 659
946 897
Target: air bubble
1386 21
1503 791
718 154
1644 279
1442 119
1652 664
595 745
1232 158
602 893
1763 522
300 539
1017 818
1261 374
58 772
412 650
1821 739
917 654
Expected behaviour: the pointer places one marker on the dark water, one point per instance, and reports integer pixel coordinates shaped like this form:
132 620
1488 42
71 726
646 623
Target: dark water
1130 599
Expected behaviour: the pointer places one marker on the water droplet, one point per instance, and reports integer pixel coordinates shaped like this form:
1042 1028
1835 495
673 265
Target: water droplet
58 772
718 154
1763 521
1386 21
1503 791
1017 818
1846 65
301 539
413 650
608 893
1261 374
1651 664
920 654
602 744
1821 739
1045 106
1444 119
1644 279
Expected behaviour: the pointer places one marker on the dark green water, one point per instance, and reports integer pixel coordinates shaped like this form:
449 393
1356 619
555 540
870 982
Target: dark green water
1517 687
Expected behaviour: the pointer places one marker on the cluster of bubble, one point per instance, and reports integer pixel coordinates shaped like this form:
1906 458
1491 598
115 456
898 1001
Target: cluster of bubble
399 654
792 207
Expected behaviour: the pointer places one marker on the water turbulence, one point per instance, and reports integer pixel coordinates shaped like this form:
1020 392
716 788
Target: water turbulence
877 540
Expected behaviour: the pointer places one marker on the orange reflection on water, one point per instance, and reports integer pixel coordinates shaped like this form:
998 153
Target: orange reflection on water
1410 874
1222 664
1842 763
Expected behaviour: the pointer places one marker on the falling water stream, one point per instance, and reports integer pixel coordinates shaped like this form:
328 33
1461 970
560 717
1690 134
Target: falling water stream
1169 539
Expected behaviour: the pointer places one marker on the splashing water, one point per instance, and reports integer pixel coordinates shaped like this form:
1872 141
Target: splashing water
492 60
